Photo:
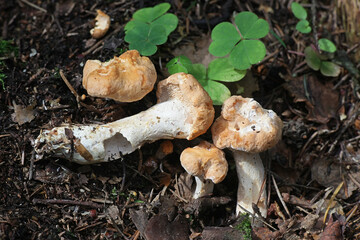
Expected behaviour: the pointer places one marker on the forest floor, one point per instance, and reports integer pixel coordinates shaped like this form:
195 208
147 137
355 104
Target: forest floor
313 176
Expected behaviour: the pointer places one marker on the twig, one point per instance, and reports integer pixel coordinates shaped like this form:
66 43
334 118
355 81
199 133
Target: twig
70 87
116 227
66 201
280 197
313 13
257 218
31 168
34 6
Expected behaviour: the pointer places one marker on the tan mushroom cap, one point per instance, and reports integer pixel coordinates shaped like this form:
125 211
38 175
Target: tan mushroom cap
244 125
205 160
126 78
102 24
188 90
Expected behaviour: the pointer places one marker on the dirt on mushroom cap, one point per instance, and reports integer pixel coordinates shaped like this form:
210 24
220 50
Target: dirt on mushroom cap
244 125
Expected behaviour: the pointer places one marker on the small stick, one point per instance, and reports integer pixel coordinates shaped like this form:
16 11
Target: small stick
280 197
70 87
34 6
116 227
66 201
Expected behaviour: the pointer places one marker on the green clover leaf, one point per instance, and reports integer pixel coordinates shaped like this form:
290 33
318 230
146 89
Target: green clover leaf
179 64
224 37
243 45
220 69
150 27
250 26
144 38
149 14
246 53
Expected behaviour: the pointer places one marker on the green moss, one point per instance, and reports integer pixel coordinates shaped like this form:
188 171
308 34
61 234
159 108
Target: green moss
245 227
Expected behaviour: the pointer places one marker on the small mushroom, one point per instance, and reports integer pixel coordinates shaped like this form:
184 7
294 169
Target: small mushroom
126 78
102 24
247 129
207 164
184 110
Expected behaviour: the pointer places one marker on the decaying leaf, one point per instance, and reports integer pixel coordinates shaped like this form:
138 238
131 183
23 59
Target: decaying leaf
333 229
160 228
322 102
327 172
22 114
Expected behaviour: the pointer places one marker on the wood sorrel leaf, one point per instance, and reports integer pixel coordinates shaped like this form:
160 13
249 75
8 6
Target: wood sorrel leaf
169 21
217 91
149 14
246 53
250 26
224 37
179 64
298 10
303 26
327 45
312 59
329 69
221 69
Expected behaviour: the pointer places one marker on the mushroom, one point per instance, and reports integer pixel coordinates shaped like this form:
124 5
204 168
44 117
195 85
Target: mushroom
183 110
126 78
207 164
102 24
247 129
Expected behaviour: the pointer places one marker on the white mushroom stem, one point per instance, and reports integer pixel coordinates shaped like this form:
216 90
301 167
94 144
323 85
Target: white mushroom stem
203 187
251 174
101 143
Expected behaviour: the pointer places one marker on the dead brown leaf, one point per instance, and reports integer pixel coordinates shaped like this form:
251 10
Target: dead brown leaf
322 102
333 229
160 228
22 114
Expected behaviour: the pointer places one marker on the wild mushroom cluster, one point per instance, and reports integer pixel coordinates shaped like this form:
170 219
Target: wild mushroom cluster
183 110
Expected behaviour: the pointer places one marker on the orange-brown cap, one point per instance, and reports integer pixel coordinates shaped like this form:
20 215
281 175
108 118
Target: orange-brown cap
205 160
102 24
127 78
244 125
185 88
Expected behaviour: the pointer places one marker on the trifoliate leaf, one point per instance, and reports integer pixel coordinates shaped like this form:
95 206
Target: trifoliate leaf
327 45
224 37
303 26
298 10
246 53
250 26
144 38
312 58
220 69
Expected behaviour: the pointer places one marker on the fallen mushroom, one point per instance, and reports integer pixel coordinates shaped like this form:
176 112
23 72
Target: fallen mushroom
247 129
102 24
184 110
207 164
126 78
